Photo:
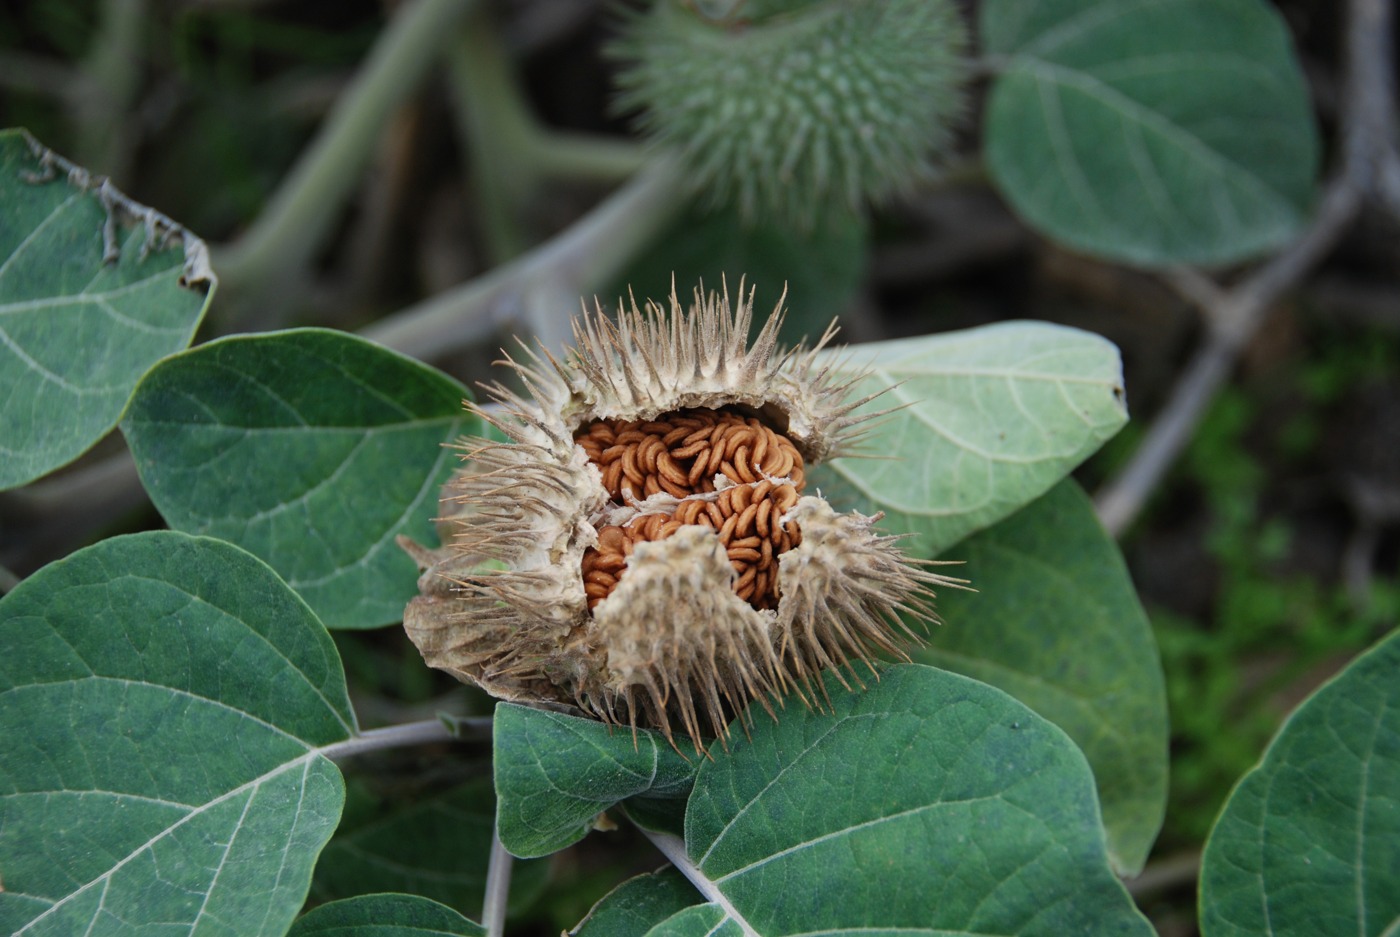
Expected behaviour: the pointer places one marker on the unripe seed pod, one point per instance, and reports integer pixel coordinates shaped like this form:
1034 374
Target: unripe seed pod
642 549
797 110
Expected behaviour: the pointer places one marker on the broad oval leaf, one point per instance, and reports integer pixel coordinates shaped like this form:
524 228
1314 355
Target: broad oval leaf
637 905
1151 131
76 334
1309 841
436 845
162 702
1056 623
311 449
555 773
988 420
386 915
927 802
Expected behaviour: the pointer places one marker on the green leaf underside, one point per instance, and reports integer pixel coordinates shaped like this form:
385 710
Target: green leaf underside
309 448
386 915
707 920
75 334
437 846
1057 624
1151 131
927 803
555 773
162 698
637 905
1309 842
989 419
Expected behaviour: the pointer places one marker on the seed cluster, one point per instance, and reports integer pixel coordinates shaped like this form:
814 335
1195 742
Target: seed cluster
681 454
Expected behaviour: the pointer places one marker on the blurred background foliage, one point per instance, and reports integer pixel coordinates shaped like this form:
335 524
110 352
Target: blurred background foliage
1268 556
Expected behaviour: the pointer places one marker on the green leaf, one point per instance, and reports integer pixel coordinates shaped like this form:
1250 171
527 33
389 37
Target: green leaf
926 802
555 773
75 334
637 905
385 916
437 846
990 418
1309 842
1150 131
820 270
311 449
1057 624
702 920
162 701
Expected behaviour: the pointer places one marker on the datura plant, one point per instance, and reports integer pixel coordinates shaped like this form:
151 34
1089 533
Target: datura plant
797 110
644 548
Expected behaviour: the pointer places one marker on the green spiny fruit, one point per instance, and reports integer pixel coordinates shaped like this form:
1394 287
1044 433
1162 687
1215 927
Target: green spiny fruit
798 110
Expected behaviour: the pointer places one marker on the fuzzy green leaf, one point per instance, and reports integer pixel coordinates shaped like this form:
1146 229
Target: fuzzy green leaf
311 449
990 418
555 773
637 905
1151 131
702 920
162 701
927 802
75 334
387 915
1057 624
1309 842
437 846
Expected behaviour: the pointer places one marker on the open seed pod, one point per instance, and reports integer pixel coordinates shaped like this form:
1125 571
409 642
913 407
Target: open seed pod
644 548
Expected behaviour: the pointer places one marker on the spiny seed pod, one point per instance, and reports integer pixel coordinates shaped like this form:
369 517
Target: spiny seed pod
797 109
642 548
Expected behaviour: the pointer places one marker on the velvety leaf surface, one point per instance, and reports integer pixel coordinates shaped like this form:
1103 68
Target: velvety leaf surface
385 915
75 334
437 846
162 699
555 773
990 418
309 448
637 905
1150 131
1309 842
1057 624
926 803
703 920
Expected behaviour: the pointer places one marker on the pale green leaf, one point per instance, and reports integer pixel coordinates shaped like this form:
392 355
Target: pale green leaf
311 449
989 419
555 773
75 334
703 920
637 905
1056 623
1309 842
926 803
387 915
1150 131
162 702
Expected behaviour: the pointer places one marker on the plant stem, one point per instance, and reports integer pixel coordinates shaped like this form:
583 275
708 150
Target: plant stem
102 101
582 257
411 733
673 848
8 581
295 221
493 908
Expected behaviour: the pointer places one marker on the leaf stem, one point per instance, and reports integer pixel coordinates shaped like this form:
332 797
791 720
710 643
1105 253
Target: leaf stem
8 581
291 227
410 733
673 848
493 908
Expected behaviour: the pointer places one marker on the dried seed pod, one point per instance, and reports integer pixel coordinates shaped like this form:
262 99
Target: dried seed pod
642 548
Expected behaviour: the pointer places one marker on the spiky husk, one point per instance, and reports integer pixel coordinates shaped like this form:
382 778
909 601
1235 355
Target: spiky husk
503 604
801 111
